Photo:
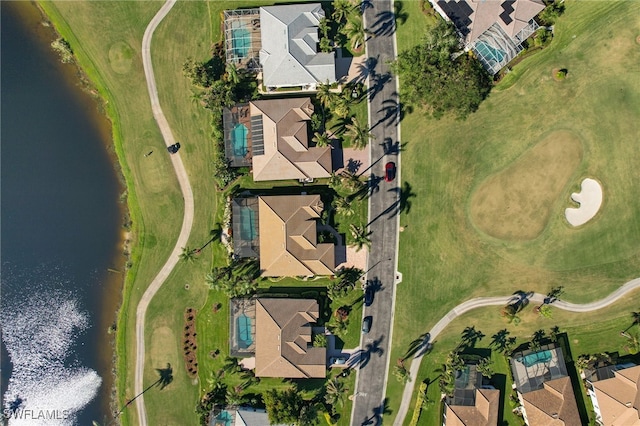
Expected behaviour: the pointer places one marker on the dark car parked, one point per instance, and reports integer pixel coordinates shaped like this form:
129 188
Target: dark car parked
368 295
366 324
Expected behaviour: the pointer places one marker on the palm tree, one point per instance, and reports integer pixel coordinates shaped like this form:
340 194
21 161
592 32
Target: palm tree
323 27
231 365
343 206
485 367
196 98
360 236
324 94
401 373
187 255
232 73
335 181
351 181
454 361
442 38
354 30
341 106
359 134
342 9
234 396
321 139
340 328
335 392
245 286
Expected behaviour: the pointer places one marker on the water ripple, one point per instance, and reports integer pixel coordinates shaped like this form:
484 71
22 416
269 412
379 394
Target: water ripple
47 386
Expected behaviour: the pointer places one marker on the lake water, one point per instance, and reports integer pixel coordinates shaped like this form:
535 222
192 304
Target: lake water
61 234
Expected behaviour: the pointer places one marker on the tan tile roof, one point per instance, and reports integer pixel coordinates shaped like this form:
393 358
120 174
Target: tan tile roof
288 237
287 154
553 404
619 397
487 12
483 413
283 339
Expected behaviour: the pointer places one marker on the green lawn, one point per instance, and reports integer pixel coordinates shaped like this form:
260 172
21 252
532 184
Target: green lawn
445 259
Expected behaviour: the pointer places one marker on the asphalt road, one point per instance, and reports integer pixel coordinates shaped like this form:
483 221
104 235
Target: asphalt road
384 208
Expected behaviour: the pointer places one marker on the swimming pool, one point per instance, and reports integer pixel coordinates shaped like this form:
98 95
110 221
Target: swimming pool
223 419
247 224
489 52
536 358
239 140
243 330
240 42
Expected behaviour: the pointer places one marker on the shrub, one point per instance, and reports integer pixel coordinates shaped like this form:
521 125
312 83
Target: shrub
420 402
63 48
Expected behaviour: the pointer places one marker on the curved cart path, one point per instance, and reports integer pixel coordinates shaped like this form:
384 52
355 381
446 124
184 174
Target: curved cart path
480 302
187 221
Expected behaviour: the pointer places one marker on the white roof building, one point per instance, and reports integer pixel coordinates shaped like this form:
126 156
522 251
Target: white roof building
289 55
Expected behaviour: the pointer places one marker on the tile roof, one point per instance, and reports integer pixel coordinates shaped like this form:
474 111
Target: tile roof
283 339
289 54
483 413
288 237
473 17
619 397
287 154
553 404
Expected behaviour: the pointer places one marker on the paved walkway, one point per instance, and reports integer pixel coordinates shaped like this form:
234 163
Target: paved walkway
480 302
187 220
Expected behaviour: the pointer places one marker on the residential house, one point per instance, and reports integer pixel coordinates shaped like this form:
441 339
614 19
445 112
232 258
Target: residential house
240 416
284 345
282 231
493 29
289 54
474 402
615 393
544 387
273 137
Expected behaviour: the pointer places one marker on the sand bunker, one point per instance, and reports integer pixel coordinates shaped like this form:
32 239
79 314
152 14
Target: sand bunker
589 198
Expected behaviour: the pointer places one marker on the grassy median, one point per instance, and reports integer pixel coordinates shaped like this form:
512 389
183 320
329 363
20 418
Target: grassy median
447 256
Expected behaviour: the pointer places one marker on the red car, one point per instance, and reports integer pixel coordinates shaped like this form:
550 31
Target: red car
390 171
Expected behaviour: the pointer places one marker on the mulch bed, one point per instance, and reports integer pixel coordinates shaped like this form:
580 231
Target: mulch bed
189 345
